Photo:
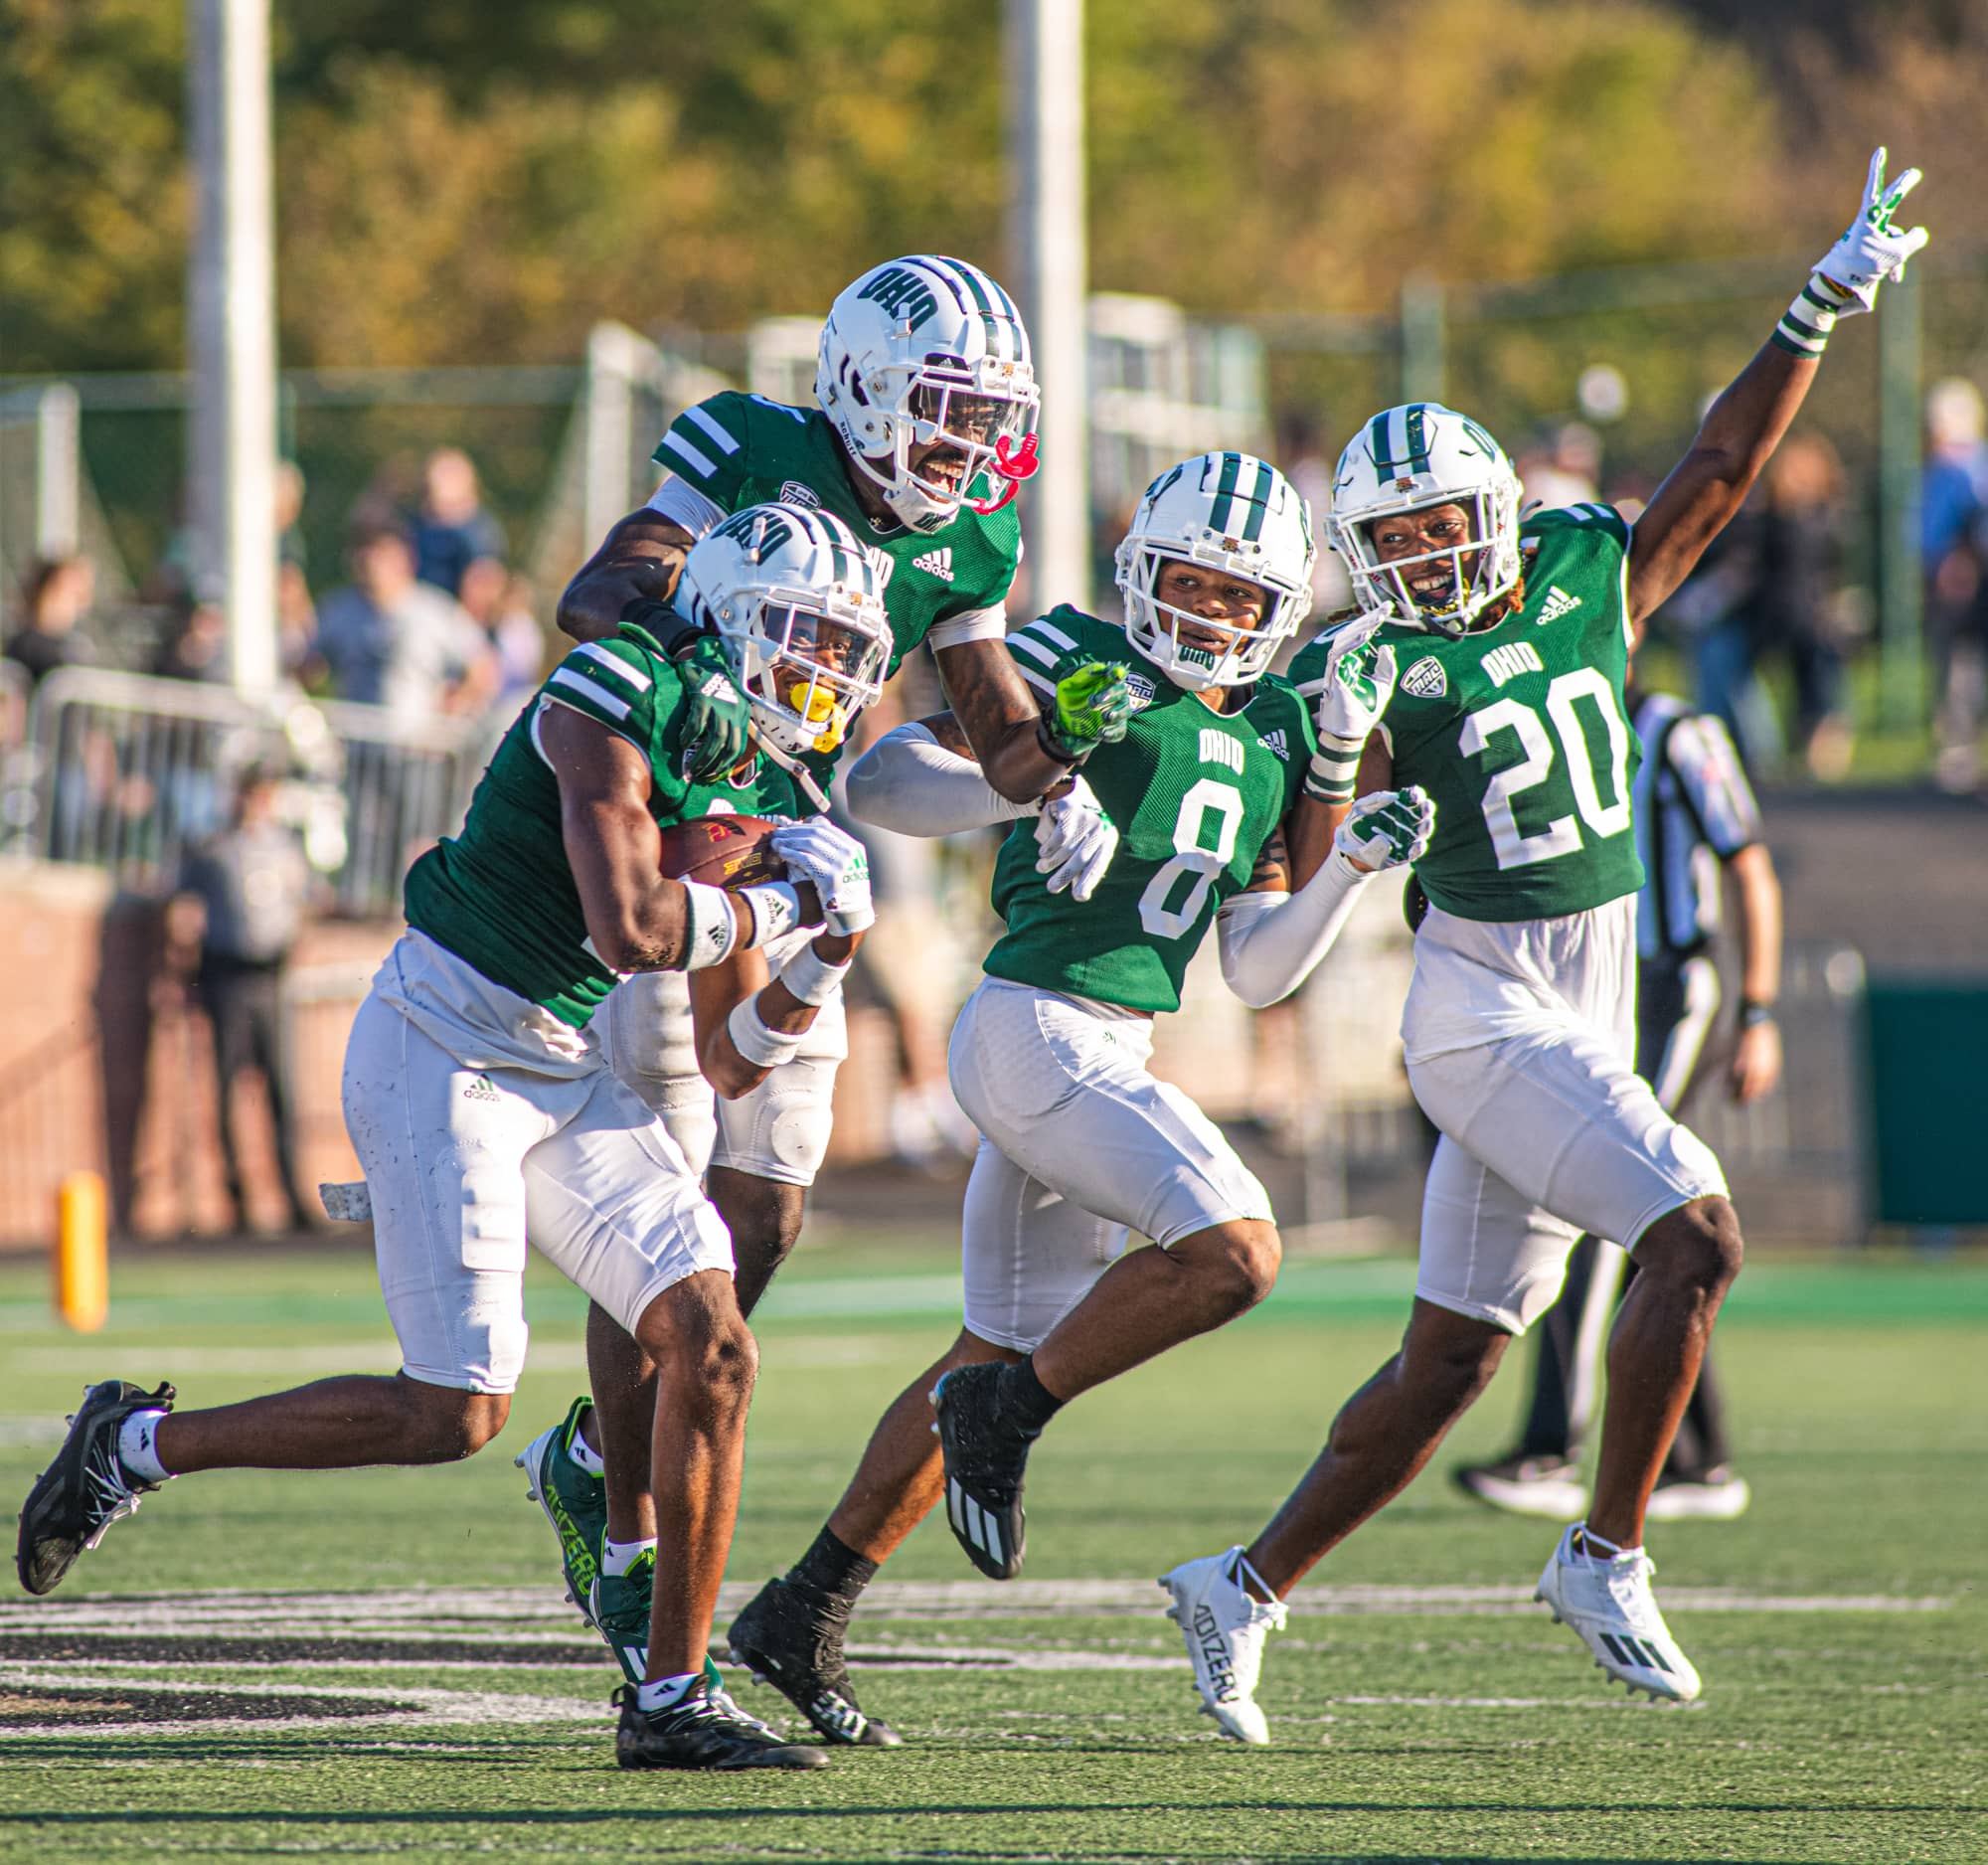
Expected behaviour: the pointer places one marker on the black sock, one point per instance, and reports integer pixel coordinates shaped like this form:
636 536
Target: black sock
1025 1401
833 1571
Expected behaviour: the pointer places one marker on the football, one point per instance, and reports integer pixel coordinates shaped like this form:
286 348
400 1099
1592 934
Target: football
722 851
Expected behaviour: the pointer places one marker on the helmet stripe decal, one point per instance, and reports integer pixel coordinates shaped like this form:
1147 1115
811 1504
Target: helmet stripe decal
1417 436
1260 504
1000 343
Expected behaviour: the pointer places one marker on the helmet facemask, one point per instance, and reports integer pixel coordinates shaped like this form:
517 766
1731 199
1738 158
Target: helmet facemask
1154 626
807 662
980 417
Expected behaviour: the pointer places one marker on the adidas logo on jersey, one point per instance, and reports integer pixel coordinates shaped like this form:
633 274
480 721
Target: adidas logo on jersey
1275 744
1556 605
936 563
480 1090
1426 679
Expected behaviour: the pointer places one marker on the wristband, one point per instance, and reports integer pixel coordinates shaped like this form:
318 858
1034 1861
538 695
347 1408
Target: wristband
1752 1014
1055 752
672 633
714 927
1806 323
1330 776
763 1048
810 978
776 908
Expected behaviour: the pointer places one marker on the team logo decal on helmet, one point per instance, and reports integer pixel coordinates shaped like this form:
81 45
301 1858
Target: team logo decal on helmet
1410 459
928 355
797 603
1236 515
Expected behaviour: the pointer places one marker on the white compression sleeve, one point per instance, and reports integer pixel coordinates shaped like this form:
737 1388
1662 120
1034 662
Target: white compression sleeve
1271 943
909 782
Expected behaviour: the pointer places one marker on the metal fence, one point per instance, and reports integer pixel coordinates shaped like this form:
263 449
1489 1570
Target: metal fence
123 772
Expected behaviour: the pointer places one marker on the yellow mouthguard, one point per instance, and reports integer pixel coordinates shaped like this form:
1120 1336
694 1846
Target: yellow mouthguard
818 708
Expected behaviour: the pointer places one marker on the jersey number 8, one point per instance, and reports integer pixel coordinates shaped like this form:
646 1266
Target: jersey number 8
1189 858
1559 836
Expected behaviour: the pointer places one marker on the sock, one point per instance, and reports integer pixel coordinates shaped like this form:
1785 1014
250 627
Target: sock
665 1693
584 1455
833 1569
617 1557
137 1447
1026 1402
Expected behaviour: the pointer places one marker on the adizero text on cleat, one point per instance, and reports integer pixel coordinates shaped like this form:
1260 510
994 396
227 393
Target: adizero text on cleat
706 1730
1610 1605
794 1643
86 1488
985 1458
1226 1628
574 1502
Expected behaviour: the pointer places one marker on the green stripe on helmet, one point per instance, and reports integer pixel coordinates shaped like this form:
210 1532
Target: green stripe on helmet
1260 503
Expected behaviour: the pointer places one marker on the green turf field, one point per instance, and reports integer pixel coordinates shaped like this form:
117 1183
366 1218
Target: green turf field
378 1665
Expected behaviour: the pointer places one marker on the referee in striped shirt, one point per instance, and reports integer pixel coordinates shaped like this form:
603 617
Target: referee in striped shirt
1695 817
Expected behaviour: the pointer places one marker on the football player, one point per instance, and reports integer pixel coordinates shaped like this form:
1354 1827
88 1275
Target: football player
1081 1144
479 1108
924 431
1512 643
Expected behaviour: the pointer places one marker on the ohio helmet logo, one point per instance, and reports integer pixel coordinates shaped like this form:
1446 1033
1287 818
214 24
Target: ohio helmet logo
904 294
1426 679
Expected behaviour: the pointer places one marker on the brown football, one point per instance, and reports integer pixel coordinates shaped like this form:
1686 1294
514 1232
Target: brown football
722 851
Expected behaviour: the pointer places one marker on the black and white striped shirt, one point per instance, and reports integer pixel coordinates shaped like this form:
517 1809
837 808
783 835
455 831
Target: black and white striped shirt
1694 809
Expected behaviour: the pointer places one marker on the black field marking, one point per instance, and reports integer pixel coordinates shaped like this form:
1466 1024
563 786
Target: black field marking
33 1705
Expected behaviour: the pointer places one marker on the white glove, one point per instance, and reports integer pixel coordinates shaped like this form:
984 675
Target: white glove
1871 250
836 865
1388 828
1077 840
1359 682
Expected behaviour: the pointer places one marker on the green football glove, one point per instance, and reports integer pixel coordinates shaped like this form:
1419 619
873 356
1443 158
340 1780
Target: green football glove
1093 705
716 714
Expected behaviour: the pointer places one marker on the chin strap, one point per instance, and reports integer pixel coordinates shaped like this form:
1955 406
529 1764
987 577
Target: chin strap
794 768
1013 465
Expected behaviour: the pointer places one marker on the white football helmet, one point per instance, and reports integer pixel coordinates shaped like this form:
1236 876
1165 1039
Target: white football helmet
1408 459
799 605
1229 512
922 350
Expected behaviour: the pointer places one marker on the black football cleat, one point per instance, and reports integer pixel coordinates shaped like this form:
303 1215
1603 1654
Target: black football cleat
794 1645
86 1488
706 1730
985 1458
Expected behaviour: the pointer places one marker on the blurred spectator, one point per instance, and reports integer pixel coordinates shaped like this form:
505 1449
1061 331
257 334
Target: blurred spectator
296 614
1301 458
1953 498
390 640
1564 470
196 647
243 897
500 604
451 530
1794 605
54 601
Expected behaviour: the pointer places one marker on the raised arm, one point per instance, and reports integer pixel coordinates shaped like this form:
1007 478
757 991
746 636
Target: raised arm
1026 747
637 562
1746 424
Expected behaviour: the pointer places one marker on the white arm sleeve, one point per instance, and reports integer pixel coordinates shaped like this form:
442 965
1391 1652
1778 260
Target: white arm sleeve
1271 943
909 782
683 504
975 625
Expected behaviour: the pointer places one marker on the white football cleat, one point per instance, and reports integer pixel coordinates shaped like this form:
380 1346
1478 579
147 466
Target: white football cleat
1610 1604
1225 1629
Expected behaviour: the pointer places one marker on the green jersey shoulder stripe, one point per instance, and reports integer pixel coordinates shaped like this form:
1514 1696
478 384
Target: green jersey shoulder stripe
577 685
602 657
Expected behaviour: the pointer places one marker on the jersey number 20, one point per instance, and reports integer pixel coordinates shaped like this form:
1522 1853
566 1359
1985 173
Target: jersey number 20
1189 858
1560 836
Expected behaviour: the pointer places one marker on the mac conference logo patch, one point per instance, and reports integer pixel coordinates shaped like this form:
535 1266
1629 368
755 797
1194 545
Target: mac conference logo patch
1426 679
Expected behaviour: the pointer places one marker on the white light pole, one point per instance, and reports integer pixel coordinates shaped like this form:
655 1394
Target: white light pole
232 438
1045 224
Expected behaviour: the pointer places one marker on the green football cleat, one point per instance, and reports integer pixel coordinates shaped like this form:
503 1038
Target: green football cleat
574 1502
618 1605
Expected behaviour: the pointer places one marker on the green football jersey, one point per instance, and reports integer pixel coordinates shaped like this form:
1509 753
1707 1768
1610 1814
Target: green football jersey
1194 794
501 894
743 450
1520 734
